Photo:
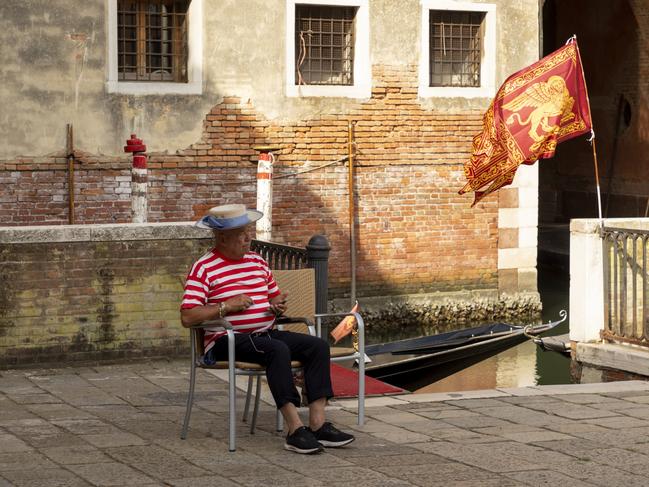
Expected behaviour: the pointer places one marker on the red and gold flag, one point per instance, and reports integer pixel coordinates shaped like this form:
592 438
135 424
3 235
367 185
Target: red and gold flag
535 109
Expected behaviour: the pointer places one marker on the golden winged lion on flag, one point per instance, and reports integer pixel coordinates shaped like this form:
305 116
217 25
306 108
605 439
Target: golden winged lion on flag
548 99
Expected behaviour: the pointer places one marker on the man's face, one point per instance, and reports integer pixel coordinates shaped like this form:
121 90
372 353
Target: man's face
234 244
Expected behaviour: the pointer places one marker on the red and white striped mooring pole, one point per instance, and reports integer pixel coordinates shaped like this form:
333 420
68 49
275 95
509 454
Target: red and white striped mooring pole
139 179
265 192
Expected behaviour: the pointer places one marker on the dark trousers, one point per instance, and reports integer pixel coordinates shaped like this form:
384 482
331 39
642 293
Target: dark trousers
275 350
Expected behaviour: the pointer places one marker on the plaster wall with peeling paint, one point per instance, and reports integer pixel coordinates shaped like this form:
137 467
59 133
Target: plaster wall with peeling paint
54 71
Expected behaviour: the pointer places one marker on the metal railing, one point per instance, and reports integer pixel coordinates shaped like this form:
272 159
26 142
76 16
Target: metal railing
626 302
280 257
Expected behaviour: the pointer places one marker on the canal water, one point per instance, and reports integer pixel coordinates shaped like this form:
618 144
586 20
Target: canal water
523 365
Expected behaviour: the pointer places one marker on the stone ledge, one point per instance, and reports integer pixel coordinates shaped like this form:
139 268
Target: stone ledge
613 356
102 233
591 225
436 312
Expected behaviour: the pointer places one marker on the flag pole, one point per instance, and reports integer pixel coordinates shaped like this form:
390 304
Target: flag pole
591 140
599 195
350 183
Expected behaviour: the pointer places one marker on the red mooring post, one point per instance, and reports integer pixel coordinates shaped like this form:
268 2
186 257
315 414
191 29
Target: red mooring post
139 179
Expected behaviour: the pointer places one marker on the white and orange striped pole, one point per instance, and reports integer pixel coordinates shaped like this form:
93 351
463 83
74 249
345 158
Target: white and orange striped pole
265 193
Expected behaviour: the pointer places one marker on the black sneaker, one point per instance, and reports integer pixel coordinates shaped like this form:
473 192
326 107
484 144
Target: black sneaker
329 435
302 441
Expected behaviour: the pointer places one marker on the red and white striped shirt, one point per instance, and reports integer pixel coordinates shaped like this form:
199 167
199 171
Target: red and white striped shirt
214 278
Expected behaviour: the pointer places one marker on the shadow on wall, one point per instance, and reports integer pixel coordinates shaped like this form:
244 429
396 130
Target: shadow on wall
414 233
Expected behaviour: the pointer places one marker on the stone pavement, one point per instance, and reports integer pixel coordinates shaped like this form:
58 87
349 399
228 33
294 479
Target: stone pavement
115 425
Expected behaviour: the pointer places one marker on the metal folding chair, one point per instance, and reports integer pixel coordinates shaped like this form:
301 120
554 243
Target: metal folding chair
300 286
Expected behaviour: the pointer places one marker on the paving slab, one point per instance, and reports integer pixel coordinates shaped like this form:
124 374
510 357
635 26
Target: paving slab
619 422
211 481
452 396
523 415
590 399
603 475
595 388
441 472
643 399
70 455
109 474
11 444
521 391
564 409
535 436
27 460
546 477
47 477
58 412
120 425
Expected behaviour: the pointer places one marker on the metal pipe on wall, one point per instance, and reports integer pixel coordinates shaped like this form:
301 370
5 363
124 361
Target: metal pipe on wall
352 233
70 157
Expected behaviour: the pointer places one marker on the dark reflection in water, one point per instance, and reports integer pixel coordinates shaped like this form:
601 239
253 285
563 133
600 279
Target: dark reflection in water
554 288
523 365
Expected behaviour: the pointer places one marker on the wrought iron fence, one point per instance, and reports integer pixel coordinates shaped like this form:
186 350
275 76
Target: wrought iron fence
280 257
626 302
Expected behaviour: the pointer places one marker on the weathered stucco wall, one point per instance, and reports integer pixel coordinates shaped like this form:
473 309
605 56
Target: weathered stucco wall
56 72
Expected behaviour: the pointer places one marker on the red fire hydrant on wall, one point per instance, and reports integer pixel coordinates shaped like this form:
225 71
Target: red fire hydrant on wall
139 179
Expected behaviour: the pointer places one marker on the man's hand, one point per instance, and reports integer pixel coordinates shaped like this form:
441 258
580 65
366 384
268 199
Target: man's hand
238 303
278 304
198 314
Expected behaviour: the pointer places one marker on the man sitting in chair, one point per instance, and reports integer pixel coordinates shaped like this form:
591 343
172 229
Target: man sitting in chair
233 283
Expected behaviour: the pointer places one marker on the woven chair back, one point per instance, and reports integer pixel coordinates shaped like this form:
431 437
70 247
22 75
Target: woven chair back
299 284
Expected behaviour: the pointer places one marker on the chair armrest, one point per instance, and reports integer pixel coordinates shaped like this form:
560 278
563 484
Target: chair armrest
220 323
283 320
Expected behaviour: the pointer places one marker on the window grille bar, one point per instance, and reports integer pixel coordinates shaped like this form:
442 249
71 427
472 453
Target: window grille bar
152 40
324 40
455 40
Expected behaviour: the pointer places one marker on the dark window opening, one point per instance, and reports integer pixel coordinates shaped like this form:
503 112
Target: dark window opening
324 45
456 46
627 114
152 40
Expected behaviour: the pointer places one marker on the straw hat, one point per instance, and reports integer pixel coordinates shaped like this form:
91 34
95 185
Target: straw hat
228 217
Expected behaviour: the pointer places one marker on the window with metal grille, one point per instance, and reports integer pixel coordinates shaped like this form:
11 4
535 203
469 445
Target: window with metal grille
324 40
456 45
152 40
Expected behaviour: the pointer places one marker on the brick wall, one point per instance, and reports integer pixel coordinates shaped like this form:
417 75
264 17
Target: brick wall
414 232
97 296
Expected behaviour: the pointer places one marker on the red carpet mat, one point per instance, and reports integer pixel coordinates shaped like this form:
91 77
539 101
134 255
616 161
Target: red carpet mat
345 384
